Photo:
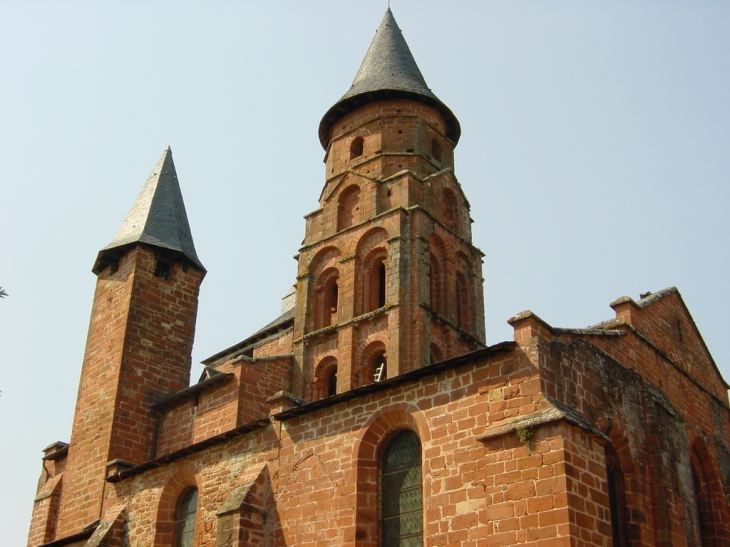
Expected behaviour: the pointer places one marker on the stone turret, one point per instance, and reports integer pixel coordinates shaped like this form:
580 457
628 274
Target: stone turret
138 350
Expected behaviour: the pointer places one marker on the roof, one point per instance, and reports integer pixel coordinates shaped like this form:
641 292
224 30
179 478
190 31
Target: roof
285 320
157 218
388 71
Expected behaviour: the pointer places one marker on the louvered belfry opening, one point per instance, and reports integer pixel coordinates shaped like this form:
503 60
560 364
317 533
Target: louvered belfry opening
402 492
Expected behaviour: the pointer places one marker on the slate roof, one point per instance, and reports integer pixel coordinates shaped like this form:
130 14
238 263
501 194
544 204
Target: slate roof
285 320
388 71
157 218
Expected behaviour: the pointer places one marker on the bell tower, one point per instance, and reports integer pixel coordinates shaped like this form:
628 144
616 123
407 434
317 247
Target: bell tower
388 279
138 347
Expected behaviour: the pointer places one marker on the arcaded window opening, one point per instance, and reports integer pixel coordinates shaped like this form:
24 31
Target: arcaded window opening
463 311
616 498
332 383
326 300
185 517
451 211
372 365
375 277
325 379
348 207
703 506
380 368
333 297
401 492
435 284
356 147
434 353
436 150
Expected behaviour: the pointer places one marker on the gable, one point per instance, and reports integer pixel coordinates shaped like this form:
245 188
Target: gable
664 319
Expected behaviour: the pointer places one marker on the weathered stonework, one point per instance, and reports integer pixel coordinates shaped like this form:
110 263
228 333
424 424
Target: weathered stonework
617 434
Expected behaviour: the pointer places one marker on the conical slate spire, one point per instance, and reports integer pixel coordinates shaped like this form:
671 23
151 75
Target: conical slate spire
157 218
388 71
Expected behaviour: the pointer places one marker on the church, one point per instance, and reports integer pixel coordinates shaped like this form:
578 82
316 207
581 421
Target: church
371 412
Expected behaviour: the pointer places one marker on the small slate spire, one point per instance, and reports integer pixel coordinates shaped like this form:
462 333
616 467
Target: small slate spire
157 218
388 71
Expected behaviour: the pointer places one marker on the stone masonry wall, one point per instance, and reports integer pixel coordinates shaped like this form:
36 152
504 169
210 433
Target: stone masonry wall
653 427
321 467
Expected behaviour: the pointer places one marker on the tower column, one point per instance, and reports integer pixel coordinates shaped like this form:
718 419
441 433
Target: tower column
138 348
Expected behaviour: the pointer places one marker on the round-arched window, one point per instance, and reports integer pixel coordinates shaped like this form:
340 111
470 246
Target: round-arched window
402 492
187 509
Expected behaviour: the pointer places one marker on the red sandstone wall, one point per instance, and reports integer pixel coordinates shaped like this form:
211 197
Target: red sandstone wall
400 126
223 407
138 348
652 427
278 346
176 427
320 474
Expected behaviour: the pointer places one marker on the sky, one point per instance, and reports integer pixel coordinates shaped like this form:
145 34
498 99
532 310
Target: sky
595 153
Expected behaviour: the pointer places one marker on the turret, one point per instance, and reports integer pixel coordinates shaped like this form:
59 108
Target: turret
138 348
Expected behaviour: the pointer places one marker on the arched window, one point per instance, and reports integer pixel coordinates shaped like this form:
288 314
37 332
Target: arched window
463 315
435 283
375 281
451 211
703 507
332 382
372 365
356 147
435 354
185 514
401 492
436 150
616 498
348 207
326 300
333 297
380 368
325 379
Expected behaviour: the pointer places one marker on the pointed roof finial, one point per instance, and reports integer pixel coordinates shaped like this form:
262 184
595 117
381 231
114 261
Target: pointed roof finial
157 218
388 71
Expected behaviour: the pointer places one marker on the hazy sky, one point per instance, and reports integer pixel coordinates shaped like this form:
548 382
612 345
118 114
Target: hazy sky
595 153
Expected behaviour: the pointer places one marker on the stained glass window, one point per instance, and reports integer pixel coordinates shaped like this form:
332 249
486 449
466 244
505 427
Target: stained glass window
616 497
185 518
402 492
